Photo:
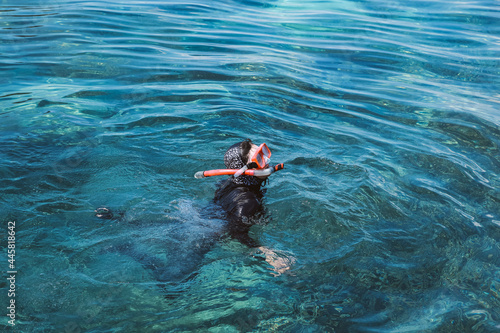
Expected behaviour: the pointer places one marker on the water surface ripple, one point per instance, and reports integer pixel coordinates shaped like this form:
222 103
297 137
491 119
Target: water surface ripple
386 114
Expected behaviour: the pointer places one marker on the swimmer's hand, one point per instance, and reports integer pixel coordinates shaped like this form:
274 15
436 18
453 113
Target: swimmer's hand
280 262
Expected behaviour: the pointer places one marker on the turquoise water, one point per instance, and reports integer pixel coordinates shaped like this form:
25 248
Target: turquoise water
385 113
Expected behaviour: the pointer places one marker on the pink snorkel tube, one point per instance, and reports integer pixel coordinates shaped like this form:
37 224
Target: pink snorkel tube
249 172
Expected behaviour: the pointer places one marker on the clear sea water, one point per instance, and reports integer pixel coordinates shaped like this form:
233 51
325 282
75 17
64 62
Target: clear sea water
385 113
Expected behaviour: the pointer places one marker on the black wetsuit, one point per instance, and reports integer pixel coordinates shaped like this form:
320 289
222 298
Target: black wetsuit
241 203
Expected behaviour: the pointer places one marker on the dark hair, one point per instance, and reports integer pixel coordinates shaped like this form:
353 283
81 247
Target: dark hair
245 147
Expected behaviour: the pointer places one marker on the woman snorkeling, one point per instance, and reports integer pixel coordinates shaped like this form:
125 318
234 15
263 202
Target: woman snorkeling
241 195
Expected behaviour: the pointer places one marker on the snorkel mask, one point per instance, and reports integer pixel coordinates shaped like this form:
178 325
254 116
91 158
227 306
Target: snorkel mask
258 164
259 160
262 156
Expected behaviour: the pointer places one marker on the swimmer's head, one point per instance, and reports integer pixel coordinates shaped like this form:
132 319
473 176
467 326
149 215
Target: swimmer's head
242 153
238 156
246 160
